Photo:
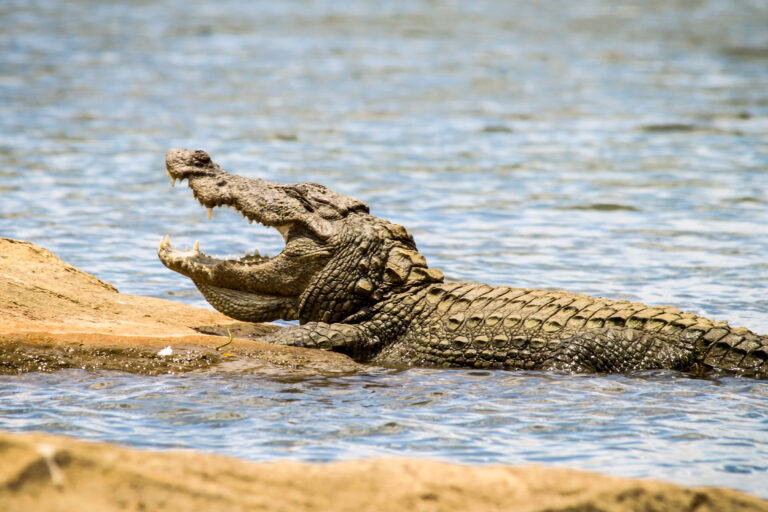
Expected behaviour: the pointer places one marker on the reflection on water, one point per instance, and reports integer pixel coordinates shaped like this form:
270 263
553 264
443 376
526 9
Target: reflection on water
616 150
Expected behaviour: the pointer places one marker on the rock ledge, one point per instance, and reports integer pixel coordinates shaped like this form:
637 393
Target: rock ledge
54 316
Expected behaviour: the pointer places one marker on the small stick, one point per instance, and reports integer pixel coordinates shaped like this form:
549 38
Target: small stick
228 341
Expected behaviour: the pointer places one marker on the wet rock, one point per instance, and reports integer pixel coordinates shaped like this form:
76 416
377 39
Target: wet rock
54 316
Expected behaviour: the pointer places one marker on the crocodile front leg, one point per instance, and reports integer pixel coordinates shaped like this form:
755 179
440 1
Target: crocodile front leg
354 340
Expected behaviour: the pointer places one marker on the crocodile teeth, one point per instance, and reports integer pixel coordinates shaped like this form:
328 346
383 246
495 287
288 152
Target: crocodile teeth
197 245
209 211
250 220
173 182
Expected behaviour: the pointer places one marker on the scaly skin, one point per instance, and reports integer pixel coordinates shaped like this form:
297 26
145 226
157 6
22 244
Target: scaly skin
358 285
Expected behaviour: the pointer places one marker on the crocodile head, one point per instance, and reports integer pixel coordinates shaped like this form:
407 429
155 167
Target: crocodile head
337 259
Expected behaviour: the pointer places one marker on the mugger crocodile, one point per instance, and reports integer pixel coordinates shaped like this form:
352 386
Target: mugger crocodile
358 285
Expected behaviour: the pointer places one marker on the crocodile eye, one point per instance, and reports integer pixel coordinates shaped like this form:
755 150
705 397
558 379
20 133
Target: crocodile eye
202 157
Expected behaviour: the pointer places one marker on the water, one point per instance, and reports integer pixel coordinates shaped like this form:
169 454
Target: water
654 425
615 150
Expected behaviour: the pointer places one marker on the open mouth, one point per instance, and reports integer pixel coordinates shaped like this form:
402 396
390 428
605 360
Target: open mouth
256 287
250 287
197 264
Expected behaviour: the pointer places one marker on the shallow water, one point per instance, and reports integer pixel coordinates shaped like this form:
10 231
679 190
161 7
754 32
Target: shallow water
613 150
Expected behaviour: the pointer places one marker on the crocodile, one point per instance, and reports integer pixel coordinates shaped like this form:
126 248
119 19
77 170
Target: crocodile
357 284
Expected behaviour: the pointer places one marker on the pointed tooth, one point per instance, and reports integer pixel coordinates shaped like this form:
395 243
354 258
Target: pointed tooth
209 212
167 241
256 252
197 245
250 221
162 242
173 182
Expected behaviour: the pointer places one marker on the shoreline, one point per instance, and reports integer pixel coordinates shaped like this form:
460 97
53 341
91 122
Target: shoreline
43 472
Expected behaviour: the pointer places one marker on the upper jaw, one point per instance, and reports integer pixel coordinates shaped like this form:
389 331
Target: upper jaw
271 204
212 186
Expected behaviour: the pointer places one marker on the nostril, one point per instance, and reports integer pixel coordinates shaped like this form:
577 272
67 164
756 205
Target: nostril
202 157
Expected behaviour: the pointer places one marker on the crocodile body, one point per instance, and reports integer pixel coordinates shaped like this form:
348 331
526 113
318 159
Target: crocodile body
358 285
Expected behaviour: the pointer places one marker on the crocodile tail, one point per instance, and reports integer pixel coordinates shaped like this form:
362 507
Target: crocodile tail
740 351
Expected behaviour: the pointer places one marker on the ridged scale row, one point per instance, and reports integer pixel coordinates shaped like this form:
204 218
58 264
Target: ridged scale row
526 328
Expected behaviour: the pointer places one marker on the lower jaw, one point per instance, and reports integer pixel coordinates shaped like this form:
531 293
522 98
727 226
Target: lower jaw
249 307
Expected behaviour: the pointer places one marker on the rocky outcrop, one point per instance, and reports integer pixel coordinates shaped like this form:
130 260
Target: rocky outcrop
53 316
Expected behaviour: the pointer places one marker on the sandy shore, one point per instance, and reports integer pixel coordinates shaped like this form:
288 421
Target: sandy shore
49 473
53 316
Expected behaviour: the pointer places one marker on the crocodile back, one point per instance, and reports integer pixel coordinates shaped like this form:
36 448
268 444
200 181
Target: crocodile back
505 327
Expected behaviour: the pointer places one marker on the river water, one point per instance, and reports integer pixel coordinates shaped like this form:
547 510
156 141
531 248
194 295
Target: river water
615 149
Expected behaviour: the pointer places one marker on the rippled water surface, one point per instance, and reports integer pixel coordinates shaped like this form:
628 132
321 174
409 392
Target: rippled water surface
613 149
